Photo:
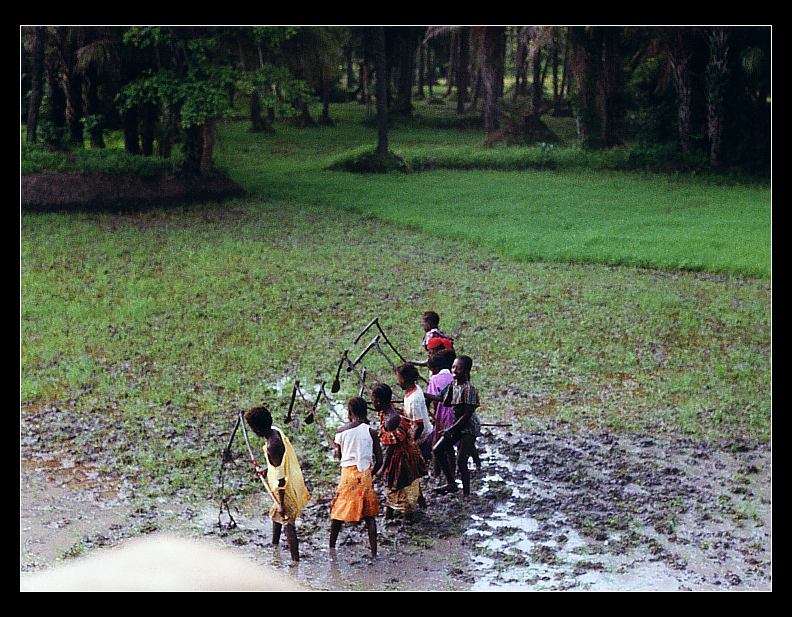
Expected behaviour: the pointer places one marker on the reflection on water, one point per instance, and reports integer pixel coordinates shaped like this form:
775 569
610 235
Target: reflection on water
513 551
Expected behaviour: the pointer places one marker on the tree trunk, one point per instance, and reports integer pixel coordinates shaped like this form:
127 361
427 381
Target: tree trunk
366 79
406 74
193 150
130 121
463 69
501 75
148 123
536 83
586 54
256 121
545 66
37 82
492 75
167 133
304 120
565 74
476 91
519 62
717 85
430 77
325 119
207 140
90 102
71 82
452 61
680 55
421 69
72 86
54 109
350 69
610 83
554 64
380 60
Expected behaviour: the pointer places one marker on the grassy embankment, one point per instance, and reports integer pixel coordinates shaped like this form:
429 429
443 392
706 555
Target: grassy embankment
141 332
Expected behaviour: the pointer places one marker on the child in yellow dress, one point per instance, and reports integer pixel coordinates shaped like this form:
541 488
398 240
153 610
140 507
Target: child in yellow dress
283 476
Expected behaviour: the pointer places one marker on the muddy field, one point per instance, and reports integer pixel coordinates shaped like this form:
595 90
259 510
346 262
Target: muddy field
552 510
46 192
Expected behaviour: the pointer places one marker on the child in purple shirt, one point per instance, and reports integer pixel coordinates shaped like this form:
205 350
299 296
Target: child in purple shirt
439 364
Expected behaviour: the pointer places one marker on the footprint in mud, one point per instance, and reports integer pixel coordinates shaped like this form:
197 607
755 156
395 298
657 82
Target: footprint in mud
618 517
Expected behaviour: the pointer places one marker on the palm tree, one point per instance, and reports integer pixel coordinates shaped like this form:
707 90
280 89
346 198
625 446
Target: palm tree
595 60
38 41
678 43
463 69
98 61
717 85
488 46
381 63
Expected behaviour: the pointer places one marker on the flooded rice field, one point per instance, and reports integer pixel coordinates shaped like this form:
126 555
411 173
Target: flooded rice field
551 510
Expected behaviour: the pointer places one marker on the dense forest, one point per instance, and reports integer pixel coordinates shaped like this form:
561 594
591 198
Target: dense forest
685 93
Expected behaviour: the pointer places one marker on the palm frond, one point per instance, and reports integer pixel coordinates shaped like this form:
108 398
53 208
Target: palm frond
433 32
101 54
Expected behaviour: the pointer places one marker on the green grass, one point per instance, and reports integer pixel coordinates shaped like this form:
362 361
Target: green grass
147 330
142 333
578 215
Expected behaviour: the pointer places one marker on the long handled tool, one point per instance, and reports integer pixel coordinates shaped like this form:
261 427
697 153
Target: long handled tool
291 403
366 329
363 382
352 367
375 322
336 383
258 469
226 457
310 417
368 348
383 354
330 403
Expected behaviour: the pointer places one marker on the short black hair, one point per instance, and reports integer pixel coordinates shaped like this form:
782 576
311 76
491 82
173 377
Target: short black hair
467 362
441 359
357 407
383 393
259 419
408 372
432 318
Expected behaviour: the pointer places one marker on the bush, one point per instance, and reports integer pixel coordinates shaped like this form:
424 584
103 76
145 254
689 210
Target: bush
657 158
37 158
368 162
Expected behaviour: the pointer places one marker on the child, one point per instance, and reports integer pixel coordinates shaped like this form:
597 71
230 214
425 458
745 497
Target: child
430 322
463 397
415 409
357 445
284 477
439 364
403 464
434 340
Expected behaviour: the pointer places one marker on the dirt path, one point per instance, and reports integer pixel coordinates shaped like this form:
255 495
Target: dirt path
551 510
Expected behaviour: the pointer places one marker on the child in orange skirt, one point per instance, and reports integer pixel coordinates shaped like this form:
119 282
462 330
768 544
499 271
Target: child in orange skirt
357 445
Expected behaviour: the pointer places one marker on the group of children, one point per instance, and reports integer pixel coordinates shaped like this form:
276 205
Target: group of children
426 432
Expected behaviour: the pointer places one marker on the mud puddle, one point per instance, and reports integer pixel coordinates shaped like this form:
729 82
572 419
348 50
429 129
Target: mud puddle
61 503
596 512
550 511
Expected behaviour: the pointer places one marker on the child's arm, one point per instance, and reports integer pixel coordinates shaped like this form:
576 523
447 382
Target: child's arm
388 456
467 411
377 452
